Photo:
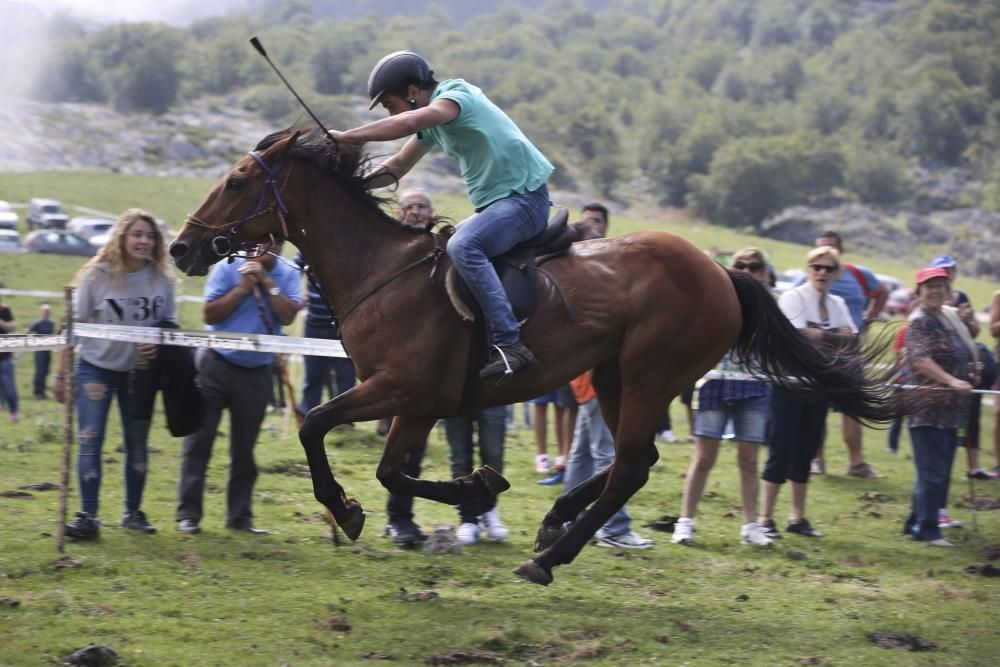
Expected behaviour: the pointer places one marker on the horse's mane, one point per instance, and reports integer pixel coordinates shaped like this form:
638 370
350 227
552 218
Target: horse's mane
349 170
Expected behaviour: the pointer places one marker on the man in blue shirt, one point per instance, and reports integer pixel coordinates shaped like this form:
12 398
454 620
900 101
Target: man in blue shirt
256 295
865 297
504 174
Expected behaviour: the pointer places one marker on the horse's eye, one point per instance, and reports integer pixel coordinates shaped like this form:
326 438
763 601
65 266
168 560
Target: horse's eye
233 183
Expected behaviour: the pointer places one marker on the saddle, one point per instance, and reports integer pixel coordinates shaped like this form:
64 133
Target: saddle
517 270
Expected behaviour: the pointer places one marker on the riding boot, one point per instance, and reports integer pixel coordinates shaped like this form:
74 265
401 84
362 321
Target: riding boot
506 360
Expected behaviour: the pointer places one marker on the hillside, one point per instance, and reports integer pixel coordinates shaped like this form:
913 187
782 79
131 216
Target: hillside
736 112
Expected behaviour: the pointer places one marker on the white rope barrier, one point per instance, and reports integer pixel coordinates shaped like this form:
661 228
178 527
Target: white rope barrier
314 347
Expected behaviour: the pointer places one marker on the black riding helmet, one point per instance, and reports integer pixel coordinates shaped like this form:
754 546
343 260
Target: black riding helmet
393 71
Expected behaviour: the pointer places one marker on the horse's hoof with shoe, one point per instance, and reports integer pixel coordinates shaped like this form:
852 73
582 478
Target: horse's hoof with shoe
534 573
491 480
353 522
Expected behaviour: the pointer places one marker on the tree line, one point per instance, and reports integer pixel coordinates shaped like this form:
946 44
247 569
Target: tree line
732 109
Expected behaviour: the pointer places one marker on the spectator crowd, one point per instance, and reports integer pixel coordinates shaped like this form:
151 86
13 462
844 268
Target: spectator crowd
130 282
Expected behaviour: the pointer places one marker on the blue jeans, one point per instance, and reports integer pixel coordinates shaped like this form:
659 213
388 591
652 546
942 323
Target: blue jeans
43 360
490 233
492 430
95 388
401 507
593 450
317 370
933 455
8 387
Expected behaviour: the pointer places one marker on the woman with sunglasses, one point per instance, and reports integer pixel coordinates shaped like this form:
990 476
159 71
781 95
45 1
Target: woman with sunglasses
797 425
722 401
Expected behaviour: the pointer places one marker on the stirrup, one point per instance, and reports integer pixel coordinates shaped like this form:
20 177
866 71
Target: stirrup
507 370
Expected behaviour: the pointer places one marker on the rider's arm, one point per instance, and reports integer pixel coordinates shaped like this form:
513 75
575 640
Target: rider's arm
392 170
401 125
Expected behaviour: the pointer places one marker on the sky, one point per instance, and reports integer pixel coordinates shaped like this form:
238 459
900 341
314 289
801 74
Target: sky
171 11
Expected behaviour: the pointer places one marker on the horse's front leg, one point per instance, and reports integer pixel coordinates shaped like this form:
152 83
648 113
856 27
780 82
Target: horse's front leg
409 434
369 400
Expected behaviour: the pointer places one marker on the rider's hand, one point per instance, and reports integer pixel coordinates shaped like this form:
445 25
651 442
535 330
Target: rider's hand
344 141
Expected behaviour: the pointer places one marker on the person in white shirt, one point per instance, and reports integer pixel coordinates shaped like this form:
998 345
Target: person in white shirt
797 425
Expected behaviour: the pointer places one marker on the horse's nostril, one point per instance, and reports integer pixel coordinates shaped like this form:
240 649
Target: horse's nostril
178 249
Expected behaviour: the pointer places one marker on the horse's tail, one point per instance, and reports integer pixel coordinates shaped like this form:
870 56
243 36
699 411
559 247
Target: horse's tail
770 346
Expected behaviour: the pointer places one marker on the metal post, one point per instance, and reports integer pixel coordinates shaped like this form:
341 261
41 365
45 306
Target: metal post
67 448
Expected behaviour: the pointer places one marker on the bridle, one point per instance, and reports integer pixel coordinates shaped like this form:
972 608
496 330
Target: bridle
225 244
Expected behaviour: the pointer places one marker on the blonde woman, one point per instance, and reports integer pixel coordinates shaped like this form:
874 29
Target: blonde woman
128 282
797 426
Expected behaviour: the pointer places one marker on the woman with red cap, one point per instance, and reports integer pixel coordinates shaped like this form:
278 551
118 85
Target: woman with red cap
941 354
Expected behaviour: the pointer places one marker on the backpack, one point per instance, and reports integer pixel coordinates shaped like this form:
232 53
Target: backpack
860 277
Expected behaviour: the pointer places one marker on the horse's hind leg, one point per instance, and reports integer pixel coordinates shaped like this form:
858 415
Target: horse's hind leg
635 454
607 384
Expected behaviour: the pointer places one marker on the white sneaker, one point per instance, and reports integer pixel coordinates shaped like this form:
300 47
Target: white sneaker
666 436
495 530
629 540
683 531
467 533
541 463
753 534
560 462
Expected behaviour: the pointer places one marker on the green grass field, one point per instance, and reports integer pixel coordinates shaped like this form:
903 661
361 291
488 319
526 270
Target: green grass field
222 598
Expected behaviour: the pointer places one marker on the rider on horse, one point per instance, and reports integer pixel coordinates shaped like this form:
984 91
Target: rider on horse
504 174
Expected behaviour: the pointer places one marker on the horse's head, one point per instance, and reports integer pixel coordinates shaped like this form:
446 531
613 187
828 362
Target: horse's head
245 207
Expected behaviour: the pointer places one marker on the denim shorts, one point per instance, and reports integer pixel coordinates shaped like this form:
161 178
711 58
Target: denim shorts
749 417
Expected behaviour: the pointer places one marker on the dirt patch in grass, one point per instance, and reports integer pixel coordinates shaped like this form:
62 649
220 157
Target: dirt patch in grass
981 503
92 655
901 641
985 570
337 623
465 658
292 468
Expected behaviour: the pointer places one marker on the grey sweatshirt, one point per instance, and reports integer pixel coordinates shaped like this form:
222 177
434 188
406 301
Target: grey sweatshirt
144 298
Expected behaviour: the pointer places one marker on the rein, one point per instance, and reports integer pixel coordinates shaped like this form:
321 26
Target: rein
433 256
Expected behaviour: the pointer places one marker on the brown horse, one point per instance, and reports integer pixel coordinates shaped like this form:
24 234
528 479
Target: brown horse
652 315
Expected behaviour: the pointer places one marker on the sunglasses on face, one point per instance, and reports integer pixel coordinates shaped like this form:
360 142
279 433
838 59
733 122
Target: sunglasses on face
752 266
820 268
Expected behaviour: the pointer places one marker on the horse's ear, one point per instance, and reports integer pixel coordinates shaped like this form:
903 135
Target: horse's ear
279 149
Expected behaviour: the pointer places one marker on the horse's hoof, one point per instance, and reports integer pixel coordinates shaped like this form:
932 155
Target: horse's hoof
547 535
534 573
494 482
353 522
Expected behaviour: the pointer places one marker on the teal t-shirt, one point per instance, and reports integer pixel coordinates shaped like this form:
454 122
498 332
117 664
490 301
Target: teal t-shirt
495 157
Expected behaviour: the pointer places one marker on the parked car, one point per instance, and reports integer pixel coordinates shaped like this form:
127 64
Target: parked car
900 301
10 240
46 214
8 218
89 226
100 239
58 242
891 282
